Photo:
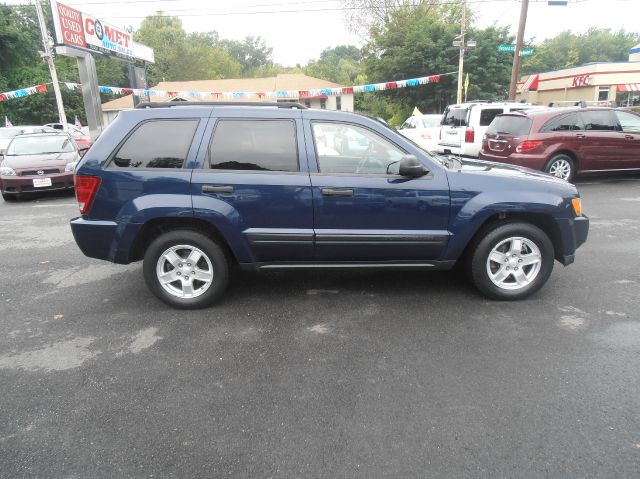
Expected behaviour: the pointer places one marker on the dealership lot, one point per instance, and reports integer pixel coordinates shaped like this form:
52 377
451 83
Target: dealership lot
400 374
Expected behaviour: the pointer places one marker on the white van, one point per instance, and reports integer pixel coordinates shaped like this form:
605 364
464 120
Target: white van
464 125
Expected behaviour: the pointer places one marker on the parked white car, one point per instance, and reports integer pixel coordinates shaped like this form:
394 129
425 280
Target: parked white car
423 130
464 125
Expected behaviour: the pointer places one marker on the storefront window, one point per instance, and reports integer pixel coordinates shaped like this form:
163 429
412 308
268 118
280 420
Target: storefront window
603 93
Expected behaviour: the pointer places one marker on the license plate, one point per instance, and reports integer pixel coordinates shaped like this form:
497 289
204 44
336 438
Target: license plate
41 182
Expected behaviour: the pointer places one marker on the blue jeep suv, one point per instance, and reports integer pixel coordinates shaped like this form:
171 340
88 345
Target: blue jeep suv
191 189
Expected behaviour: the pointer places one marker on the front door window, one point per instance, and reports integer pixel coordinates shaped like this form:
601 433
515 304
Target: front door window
348 149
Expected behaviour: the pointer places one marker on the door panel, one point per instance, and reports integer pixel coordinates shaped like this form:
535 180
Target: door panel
602 144
272 209
365 212
629 124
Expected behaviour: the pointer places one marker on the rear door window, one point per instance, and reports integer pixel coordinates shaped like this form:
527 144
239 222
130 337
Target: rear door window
488 114
455 117
569 122
510 125
260 145
156 144
599 120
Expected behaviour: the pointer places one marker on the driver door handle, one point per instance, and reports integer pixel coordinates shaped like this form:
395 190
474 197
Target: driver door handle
336 192
580 135
217 189
629 137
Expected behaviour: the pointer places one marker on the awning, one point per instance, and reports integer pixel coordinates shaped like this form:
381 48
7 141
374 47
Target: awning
628 87
531 83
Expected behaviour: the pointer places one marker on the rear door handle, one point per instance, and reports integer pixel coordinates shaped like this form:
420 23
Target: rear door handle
580 135
629 137
336 191
217 189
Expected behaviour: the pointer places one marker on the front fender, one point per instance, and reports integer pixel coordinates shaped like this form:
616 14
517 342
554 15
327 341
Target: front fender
470 211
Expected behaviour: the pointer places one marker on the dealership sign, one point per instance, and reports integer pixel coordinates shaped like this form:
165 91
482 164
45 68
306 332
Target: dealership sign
77 29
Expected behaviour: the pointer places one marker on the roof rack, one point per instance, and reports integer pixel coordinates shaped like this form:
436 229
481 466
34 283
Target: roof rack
170 104
584 103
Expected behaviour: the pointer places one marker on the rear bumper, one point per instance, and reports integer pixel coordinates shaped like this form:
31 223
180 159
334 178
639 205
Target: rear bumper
15 185
105 240
535 162
466 149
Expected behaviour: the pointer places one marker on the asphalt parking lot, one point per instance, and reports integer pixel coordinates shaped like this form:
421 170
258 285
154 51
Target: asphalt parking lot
319 375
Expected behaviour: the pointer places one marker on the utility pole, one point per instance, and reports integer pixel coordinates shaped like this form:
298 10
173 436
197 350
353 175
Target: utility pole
462 46
48 55
515 71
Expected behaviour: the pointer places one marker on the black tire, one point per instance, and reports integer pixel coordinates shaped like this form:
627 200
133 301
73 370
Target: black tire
7 197
563 161
478 260
212 252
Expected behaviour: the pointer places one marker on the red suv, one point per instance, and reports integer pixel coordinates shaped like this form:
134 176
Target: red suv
565 141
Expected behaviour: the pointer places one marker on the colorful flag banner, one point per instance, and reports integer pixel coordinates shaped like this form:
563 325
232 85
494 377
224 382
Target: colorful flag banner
235 95
32 90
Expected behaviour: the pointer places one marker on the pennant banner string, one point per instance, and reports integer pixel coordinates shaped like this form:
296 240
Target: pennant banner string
289 94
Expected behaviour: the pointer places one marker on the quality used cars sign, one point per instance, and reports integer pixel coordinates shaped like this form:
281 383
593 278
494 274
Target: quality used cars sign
78 29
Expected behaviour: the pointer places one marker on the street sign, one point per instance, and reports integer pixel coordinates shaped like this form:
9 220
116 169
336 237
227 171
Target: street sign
506 48
526 52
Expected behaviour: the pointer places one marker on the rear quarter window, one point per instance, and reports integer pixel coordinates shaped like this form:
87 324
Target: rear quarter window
510 125
156 144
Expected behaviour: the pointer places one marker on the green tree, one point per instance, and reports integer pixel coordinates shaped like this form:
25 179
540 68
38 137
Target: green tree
343 64
21 66
180 56
252 54
568 49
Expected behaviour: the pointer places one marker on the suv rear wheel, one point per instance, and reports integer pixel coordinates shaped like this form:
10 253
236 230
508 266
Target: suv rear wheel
561 166
511 261
186 269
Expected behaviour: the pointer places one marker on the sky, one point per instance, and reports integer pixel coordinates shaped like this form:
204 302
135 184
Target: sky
298 30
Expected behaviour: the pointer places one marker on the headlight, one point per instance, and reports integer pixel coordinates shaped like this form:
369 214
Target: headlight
6 171
71 166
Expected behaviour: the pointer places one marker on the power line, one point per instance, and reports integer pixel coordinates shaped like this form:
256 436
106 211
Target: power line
200 12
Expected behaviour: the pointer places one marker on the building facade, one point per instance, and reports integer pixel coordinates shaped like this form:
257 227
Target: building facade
604 82
290 87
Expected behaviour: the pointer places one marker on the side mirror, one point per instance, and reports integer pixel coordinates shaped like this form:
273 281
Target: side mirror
410 166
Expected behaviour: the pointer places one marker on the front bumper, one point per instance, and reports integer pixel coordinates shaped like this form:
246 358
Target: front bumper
574 235
15 185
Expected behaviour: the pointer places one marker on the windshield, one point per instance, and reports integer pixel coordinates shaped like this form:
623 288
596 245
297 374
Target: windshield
431 121
9 133
36 145
510 125
455 117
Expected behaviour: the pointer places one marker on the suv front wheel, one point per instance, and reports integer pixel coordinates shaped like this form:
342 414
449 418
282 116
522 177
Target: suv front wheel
186 269
511 261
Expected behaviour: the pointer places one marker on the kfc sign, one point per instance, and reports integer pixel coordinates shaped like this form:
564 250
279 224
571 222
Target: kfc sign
78 29
582 80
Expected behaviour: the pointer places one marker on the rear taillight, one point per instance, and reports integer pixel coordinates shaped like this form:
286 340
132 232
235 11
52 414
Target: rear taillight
86 189
469 135
528 145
